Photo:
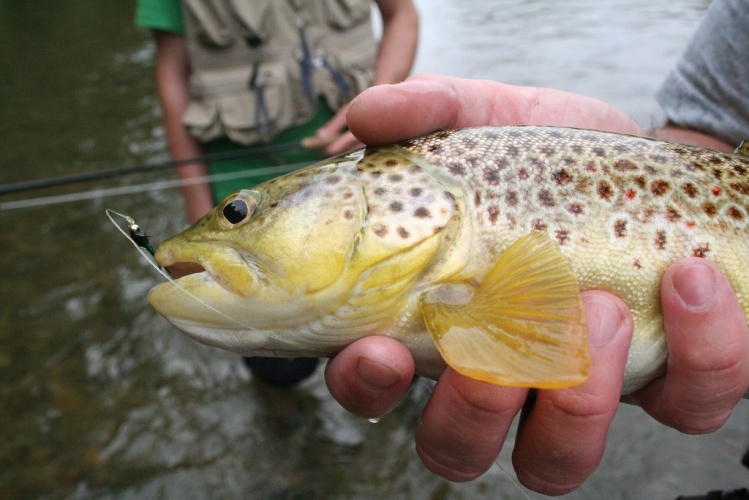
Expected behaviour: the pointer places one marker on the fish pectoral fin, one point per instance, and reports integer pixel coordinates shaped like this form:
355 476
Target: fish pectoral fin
523 326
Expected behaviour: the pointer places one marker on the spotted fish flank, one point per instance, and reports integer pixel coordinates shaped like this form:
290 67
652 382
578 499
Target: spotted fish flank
470 247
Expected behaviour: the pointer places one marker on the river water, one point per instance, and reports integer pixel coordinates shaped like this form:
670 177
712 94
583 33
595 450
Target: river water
101 398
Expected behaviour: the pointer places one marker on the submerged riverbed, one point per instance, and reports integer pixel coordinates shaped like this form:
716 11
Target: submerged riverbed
102 398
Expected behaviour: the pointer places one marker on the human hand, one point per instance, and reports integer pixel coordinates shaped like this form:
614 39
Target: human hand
562 436
338 138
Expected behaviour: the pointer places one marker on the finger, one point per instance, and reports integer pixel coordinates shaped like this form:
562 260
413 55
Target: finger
344 142
708 350
425 103
335 125
388 113
370 376
562 439
464 425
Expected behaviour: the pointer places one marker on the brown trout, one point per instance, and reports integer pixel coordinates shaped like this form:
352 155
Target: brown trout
470 247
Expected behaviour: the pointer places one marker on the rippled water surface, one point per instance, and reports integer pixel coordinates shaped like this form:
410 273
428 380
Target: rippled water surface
101 398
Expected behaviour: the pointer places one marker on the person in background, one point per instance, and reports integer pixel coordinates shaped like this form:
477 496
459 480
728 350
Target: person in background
235 73
562 433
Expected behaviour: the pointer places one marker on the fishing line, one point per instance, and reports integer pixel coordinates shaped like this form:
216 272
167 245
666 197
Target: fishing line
140 188
307 144
149 258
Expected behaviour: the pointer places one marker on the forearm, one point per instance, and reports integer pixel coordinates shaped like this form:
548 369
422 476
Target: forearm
670 132
172 77
400 34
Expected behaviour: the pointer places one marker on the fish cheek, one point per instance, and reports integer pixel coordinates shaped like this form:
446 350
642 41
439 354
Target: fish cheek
309 238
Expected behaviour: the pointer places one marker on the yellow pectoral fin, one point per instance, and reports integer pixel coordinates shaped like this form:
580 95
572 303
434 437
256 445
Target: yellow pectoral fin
523 326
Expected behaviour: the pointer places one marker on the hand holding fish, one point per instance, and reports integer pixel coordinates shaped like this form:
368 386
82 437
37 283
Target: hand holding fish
562 437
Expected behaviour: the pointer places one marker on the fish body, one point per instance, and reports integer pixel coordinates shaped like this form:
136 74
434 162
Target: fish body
471 247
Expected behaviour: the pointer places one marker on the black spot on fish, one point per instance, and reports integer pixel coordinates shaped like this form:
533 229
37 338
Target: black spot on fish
415 191
624 166
511 198
396 178
493 214
491 177
709 209
403 233
620 228
672 215
701 250
546 198
605 190
396 206
561 177
735 213
660 240
333 179
380 230
740 187
690 189
422 213
538 225
659 187
562 236
575 208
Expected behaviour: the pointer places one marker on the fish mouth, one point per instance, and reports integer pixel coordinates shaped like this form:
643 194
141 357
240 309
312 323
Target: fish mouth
226 266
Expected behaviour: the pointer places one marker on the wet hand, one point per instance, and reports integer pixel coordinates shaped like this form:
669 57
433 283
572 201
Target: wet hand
562 435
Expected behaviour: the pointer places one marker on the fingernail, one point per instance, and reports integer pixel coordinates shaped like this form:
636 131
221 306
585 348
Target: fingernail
604 319
695 284
375 375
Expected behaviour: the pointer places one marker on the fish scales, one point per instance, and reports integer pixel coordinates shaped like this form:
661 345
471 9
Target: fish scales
364 237
622 208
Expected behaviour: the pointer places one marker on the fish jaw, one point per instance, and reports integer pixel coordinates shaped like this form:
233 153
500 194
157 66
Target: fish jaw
272 322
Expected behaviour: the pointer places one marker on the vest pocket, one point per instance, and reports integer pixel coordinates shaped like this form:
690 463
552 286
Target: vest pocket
235 104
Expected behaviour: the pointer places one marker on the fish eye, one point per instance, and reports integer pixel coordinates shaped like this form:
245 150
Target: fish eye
236 211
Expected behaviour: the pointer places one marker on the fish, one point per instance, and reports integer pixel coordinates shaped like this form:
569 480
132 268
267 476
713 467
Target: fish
469 246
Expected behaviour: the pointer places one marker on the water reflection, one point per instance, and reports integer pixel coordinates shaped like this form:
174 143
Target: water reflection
100 397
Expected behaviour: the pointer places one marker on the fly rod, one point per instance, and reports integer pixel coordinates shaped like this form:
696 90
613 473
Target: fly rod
306 144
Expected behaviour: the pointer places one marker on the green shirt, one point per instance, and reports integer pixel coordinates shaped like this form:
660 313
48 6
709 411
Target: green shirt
163 15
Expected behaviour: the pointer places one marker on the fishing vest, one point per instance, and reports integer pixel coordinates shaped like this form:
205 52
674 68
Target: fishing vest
259 66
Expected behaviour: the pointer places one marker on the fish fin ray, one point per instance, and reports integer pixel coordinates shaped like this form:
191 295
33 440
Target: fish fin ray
523 326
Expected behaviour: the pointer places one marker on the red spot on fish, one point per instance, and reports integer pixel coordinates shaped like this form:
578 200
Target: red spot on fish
631 194
691 224
715 190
